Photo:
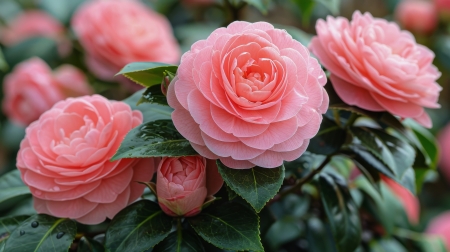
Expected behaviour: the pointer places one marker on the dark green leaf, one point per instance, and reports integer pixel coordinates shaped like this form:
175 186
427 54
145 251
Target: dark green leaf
151 111
423 243
62 9
365 159
42 47
426 143
8 224
138 227
329 139
231 226
256 185
159 138
89 245
42 233
282 231
385 245
332 5
12 190
306 7
147 74
341 211
3 65
153 95
318 236
180 241
261 5
23 207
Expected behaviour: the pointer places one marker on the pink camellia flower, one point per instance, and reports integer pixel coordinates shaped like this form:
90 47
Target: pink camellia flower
35 23
444 158
376 66
409 201
184 183
32 88
248 95
419 16
443 7
115 33
440 226
64 160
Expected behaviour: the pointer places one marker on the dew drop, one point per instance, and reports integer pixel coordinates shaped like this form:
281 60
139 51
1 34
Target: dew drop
34 224
21 232
56 188
59 235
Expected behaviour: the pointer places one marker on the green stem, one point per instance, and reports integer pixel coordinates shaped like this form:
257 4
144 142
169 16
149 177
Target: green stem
305 179
351 120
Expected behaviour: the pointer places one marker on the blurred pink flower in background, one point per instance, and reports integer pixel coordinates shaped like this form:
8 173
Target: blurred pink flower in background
31 89
183 184
443 7
64 159
35 23
444 157
249 95
409 201
419 16
376 66
440 226
115 33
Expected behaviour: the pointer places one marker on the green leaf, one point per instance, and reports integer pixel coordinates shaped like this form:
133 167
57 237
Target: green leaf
153 94
8 224
180 241
306 7
3 64
151 111
159 138
426 144
42 233
332 5
23 207
395 153
261 5
341 211
329 139
231 226
283 231
42 47
366 161
62 9
423 242
318 237
138 227
12 190
147 74
89 245
256 185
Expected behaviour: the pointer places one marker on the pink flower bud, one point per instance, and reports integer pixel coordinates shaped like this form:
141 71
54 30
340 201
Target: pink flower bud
409 201
417 16
184 183
440 226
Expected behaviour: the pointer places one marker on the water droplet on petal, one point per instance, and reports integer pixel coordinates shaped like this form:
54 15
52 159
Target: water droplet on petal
56 188
21 232
34 224
59 235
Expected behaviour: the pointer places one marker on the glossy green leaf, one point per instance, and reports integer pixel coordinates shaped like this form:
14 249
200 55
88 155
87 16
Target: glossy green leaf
386 244
89 245
306 7
153 94
147 74
138 227
8 224
332 5
42 233
422 242
341 211
42 47
12 190
365 159
62 9
261 5
3 64
318 237
426 144
150 111
180 241
256 185
231 226
23 207
154 139
282 231
329 139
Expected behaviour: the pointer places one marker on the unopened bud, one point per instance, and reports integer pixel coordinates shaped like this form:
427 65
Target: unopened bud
168 77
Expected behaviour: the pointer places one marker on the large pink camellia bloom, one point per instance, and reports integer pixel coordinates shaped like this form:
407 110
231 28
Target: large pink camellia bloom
376 66
115 33
248 95
184 183
32 88
64 160
417 15
440 226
